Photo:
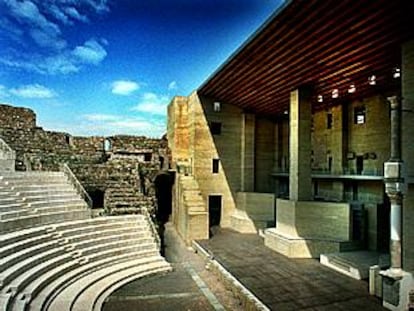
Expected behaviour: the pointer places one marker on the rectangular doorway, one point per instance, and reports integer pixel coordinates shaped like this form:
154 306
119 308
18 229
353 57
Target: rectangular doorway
359 164
214 210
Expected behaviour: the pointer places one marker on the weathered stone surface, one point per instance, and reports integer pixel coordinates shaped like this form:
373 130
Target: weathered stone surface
122 168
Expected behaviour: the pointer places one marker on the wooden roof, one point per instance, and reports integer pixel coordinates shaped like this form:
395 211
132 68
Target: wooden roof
329 44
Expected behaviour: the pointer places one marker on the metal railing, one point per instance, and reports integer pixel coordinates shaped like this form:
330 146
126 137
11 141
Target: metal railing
75 182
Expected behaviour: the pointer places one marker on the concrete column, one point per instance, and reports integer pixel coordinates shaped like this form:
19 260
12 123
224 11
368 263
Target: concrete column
300 181
247 152
407 146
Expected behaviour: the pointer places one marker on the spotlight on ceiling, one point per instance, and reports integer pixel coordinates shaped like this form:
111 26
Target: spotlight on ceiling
320 99
335 93
352 89
372 80
396 73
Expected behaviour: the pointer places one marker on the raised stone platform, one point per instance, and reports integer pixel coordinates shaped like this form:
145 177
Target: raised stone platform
355 264
298 247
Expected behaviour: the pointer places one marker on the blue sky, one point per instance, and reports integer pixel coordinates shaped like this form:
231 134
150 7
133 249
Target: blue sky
104 67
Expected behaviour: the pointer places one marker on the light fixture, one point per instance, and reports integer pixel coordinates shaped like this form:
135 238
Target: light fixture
217 106
372 80
352 88
285 112
396 73
335 93
320 99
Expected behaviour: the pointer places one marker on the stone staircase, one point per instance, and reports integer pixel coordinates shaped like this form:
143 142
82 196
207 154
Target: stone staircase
121 199
29 199
191 215
71 265
54 256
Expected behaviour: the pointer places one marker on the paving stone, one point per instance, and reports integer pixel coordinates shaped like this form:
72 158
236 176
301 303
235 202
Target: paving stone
282 283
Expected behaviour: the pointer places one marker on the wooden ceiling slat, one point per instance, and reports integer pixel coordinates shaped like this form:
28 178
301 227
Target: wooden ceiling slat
327 43
282 48
315 74
295 62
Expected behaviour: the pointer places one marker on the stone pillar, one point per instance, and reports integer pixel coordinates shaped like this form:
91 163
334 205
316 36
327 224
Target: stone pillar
247 152
407 143
300 181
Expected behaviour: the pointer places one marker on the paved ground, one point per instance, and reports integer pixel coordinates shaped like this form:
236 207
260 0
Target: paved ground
287 284
189 287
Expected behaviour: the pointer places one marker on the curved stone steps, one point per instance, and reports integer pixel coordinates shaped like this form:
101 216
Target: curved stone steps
42 219
68 297
96 234
16 213
21 267
88 299
133 237
56 202
21 235
43 296
15 256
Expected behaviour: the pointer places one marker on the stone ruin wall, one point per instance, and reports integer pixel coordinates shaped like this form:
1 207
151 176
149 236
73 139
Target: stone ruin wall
118 170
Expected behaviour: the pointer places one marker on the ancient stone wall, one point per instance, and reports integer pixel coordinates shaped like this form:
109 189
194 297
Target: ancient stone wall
121 169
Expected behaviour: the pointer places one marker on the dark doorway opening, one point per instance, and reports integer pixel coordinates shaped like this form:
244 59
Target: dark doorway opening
163 192
359 164
214 210
97 197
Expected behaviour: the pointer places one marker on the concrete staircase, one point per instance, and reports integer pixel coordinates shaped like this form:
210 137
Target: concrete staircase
75 265
29 199
54 256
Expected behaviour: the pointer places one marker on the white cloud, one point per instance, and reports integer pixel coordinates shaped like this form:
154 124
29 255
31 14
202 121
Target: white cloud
173 85
124 87
74 13
43 39
33 91
111 124
91 52
153 104
100 117
37 26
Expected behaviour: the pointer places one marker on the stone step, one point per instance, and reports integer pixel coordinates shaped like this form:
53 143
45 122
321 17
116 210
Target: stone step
88 246
11 273
5 302
101 298
12 207
43 205
43 219
6 240
87 299
23 181
17 251
37 271
97 234
60 208
58 197
10 199
103 227
50 192
65 299
74 225
44 186
15 213
355 264
40 298
139 244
